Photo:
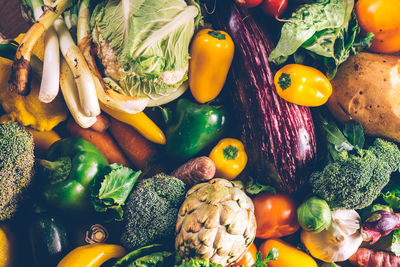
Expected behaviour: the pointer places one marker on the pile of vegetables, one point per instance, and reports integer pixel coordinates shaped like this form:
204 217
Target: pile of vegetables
283 152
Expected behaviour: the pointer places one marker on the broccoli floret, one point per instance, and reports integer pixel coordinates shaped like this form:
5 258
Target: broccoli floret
16 166
151 211
354 181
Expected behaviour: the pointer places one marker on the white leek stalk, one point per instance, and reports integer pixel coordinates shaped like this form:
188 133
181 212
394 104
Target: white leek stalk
50 83
70 93
21 69
80 69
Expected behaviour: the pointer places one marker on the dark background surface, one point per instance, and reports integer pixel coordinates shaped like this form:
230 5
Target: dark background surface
11 21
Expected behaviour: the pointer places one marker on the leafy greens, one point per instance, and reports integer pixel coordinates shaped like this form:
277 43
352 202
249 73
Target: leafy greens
111 189
150 40
323 34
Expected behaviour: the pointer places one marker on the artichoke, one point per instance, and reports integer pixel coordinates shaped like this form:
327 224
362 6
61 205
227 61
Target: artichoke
216 222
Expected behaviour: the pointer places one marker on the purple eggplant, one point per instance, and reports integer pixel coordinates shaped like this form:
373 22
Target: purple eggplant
279 136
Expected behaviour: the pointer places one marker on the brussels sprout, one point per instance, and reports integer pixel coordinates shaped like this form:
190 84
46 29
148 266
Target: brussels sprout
314 215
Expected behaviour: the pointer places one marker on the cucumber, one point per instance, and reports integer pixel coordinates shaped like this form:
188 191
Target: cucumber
49 239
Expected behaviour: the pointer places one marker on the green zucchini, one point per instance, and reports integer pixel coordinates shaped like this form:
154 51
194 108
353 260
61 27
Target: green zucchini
49 239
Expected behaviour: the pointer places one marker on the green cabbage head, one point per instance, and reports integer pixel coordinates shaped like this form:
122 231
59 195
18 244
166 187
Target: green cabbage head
144 44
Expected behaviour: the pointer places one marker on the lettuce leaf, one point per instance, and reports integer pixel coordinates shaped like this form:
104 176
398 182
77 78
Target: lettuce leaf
150 39
322 34
111 189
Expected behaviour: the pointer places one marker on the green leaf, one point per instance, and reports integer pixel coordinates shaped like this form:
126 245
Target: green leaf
354 133
111 189
307 26
335 136
272 256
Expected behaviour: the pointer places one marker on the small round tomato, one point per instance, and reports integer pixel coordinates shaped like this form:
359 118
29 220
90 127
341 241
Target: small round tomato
275 215
381 18
274 8
249 258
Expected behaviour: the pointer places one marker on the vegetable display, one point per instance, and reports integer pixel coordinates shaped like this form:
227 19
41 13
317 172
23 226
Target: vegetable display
211 55
302 85
193 128
324 33
337 242
283 126
380 18
354 181
216 222
229 157
314 215
70 166
152 210
146 43
283 152
16 167
275 215
365 90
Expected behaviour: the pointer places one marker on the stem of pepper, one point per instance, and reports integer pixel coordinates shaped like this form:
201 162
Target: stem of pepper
58 170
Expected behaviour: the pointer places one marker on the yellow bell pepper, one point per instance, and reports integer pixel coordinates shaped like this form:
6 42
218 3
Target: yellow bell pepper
289 256
6 247
141 122
302 85
92 255
211 56
229 157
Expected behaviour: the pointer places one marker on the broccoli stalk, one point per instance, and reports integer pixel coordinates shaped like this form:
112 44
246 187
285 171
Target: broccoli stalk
354 181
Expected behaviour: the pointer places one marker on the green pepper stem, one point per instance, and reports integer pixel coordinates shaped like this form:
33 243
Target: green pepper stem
230 152
217 34
284 81
57 171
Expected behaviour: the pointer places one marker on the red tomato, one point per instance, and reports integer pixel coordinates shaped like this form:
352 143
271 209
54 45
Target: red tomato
274 8
249 3
249 257
276 215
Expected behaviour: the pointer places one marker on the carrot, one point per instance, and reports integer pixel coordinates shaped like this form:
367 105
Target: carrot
365 257
102 124
137 148
103 141
196 170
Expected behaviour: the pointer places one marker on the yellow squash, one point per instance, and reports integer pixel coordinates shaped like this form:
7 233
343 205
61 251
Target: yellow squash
289 256
229 158
28 110
6 247
211 56
140 121
302 85
93 255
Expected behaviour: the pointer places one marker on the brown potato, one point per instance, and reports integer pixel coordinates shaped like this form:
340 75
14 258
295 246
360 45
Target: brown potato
367 89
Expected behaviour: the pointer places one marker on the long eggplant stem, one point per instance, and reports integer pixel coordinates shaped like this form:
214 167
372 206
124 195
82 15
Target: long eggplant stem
21 70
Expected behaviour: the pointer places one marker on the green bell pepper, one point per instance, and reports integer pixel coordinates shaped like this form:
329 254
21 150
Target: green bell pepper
193 127
71 165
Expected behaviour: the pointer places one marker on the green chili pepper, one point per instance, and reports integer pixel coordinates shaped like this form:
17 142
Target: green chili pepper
193 127
70 166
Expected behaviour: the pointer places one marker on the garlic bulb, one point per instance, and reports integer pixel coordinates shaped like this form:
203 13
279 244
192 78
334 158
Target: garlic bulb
339 240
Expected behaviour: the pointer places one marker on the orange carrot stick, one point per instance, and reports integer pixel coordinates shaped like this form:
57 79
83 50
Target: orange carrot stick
103 141
138 149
